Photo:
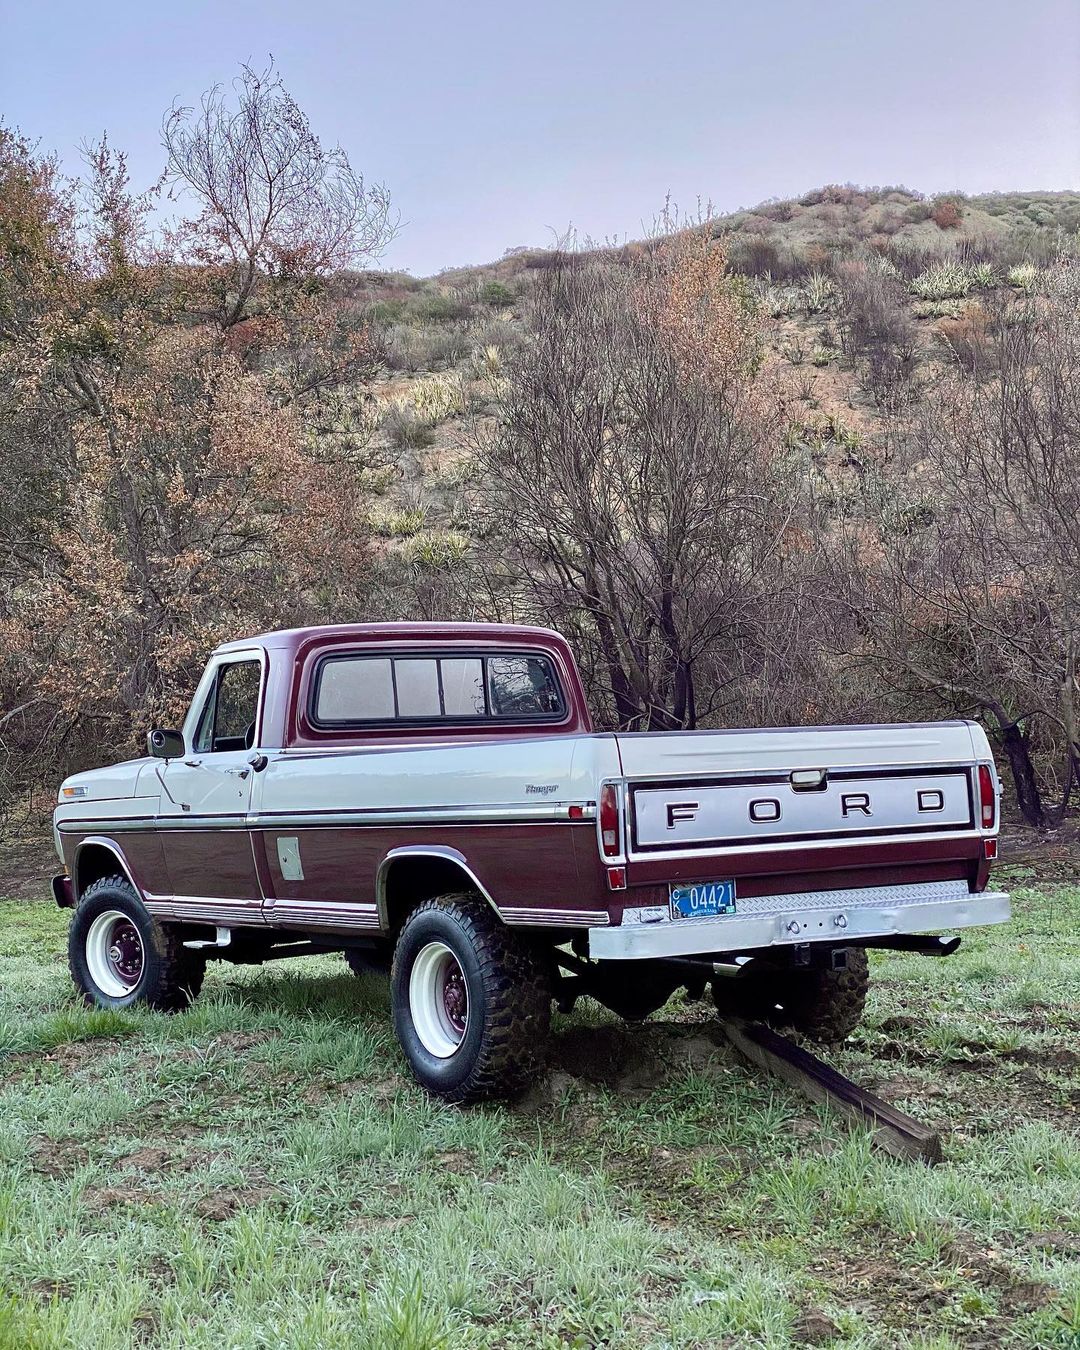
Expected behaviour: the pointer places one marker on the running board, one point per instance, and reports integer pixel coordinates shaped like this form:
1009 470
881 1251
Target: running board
892 1130
223 939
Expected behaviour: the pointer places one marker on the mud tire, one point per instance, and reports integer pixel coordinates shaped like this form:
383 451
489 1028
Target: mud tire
508 981
171 975
825 1005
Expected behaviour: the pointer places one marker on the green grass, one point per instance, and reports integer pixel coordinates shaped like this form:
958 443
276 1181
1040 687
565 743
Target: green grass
260 1171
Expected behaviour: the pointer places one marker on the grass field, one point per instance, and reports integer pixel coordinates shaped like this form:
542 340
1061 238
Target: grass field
260 1172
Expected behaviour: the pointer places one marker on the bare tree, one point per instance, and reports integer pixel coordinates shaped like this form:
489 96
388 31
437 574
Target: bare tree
962 570
275 204
633 491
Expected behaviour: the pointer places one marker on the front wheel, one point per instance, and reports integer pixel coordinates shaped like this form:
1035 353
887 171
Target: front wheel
120 955
471 1000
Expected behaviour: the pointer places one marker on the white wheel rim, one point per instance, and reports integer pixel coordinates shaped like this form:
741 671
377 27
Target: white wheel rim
114 954
438 1000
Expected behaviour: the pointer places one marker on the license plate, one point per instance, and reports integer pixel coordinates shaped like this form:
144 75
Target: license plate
703 900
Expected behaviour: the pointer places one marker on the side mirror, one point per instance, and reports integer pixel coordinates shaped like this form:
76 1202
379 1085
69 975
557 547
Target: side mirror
165 744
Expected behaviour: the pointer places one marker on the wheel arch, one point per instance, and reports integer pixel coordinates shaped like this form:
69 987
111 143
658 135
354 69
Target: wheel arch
96 857
417 872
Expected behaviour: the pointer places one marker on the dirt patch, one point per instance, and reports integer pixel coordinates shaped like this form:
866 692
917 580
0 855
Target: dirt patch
1043 856
57 1157
1058 1242
225 1201
813 1328
239 1041
74 1055
27 868
316 1092
100 1198
639 1058
153 1159
53 1290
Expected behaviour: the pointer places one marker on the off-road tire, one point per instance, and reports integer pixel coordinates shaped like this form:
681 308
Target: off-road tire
171 975
826 1005
509 1001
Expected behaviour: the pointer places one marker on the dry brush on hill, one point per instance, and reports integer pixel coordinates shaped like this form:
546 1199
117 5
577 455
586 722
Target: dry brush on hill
811 462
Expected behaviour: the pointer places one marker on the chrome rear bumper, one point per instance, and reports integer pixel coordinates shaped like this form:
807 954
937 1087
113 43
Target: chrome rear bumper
839 917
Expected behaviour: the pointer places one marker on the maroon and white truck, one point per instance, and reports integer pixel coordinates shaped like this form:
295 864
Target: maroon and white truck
433 798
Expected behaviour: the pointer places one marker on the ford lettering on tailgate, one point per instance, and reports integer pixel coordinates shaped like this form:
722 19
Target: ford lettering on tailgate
764 810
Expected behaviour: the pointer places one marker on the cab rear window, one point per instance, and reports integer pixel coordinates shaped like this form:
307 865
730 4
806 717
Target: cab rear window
355 690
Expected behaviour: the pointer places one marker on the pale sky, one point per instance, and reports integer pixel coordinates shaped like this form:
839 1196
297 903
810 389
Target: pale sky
499 124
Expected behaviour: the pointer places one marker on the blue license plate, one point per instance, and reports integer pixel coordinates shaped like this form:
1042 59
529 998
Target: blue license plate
703 900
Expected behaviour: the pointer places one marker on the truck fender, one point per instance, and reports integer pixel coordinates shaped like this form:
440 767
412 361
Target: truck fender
446 860
96 857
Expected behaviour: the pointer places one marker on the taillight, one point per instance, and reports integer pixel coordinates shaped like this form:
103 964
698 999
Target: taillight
987 797
609 821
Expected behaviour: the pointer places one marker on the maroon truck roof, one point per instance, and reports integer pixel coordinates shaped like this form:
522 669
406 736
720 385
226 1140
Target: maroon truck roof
292 651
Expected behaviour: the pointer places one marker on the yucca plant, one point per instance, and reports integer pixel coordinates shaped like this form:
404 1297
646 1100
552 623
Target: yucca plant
1023 276
945 280
818 292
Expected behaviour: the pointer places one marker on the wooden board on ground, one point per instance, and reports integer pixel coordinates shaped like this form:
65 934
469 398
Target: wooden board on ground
892 1130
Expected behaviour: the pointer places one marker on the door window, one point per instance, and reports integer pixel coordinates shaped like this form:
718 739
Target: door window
227 721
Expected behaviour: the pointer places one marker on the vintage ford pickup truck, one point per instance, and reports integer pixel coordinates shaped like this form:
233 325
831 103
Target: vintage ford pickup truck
434 798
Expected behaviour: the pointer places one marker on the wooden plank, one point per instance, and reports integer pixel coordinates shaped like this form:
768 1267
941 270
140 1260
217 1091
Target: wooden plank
892 1130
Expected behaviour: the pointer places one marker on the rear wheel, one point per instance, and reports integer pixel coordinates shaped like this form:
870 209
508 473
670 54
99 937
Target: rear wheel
471 1000
119 954
826 1005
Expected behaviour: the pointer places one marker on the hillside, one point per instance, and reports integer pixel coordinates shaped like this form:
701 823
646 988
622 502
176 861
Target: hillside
940 258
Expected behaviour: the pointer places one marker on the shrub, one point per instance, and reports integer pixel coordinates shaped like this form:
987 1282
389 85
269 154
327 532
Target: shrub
384 312
437 398
440 307
777 301
945 280
401 524
487 362
497 295
946 213
413 349
967 338
917 212
405 429
877 328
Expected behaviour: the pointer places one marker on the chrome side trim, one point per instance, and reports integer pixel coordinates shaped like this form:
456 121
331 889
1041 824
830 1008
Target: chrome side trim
322 914
554 918
790 926
510 814
440 851
208 909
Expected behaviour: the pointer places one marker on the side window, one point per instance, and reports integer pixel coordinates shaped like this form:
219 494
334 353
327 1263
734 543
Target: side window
227 721
363 690
522 686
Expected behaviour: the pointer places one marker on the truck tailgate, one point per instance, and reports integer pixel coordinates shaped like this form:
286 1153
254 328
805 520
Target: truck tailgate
717 790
